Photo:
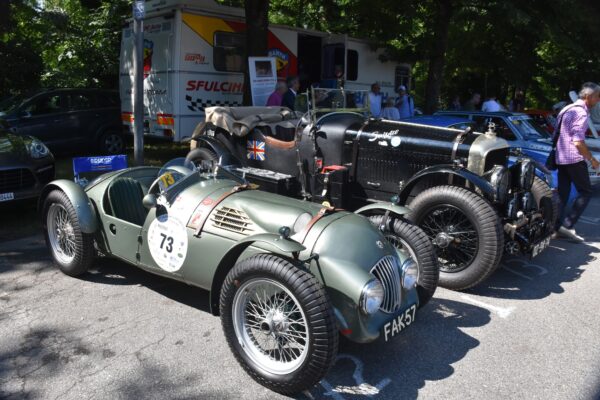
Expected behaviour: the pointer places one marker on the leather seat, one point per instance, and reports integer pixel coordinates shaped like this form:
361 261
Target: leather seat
125 196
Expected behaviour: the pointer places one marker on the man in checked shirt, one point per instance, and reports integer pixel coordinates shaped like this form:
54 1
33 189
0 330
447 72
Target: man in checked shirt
571 156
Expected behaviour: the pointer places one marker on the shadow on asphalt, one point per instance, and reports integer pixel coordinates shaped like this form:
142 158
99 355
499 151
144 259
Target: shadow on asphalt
524 278
399 368
109 271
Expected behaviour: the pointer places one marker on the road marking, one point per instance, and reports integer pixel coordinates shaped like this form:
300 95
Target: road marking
590 220
502 312
525 264
362 388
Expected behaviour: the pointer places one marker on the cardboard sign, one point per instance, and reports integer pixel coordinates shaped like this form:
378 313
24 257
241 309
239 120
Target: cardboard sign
263 78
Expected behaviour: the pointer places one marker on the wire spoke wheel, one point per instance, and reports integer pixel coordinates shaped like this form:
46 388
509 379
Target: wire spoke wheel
454 236
60 233
271 325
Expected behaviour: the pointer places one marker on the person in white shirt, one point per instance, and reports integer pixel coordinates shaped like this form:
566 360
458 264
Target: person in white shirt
390 112
491 105
375 100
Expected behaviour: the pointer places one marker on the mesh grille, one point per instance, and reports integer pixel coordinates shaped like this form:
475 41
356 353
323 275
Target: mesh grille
232 220
387 271
15 179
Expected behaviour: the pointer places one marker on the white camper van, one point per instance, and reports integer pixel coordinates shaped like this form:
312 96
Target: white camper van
194 58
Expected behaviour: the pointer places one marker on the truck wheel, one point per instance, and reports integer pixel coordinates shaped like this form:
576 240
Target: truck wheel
545 200
71 249
414 242
465 231
112 142
201 154
278 323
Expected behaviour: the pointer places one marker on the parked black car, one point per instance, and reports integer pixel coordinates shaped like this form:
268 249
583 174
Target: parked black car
26 166
68 120
457 182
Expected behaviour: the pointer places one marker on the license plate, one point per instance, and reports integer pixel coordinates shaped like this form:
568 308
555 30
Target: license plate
399 323
541 246
7 196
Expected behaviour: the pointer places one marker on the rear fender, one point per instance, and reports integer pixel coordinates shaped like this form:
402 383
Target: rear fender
268 241
86 215
447 171
222 152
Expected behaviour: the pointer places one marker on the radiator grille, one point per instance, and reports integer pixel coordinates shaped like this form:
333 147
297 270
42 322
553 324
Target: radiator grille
388 272
15 179
232 220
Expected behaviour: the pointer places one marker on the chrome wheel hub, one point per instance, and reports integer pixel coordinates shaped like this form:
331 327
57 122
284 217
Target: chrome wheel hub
270 326
443 240
61 234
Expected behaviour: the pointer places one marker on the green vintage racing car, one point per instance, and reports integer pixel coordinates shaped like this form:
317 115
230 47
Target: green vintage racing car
285 275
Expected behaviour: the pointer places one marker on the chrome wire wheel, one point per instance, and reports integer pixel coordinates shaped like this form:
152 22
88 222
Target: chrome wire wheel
270 326
61 234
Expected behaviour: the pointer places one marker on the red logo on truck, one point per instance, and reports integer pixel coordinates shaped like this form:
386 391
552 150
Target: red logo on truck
215 86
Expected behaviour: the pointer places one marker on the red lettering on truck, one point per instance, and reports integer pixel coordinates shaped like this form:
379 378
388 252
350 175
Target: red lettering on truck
215 86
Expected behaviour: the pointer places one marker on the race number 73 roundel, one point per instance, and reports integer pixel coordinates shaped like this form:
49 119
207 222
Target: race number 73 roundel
167 239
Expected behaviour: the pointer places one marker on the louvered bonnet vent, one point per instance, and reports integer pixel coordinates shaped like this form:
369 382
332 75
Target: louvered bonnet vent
232 220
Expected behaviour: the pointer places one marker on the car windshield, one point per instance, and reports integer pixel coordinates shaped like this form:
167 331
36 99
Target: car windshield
174 172
528 128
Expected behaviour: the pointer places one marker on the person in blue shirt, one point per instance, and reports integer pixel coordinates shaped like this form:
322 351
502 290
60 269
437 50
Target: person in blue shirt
405 103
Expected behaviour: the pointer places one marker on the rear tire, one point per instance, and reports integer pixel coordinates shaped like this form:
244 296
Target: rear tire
112 142
279 323
71 249
201 154
411 239
466 233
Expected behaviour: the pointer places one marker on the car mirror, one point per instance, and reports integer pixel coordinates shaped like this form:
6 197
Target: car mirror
149 201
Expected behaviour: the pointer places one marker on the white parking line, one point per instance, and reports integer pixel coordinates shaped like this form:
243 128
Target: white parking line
502 312
361 388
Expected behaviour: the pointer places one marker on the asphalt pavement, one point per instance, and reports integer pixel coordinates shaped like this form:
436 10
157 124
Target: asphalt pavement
530 332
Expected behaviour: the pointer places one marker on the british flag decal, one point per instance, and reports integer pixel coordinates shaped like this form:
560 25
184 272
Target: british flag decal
256 150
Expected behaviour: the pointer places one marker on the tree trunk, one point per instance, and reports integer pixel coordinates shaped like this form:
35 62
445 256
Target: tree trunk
257 31
437 58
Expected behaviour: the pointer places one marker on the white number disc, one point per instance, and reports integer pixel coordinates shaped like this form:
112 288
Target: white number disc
167 239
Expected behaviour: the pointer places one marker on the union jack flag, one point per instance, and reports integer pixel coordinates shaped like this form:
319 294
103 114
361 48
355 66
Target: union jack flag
256 150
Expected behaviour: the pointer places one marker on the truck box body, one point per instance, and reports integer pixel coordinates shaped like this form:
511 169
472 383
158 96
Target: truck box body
194 58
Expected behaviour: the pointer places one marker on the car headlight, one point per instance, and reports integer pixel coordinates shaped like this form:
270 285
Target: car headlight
371 296
526 174
410 273
500 180
37 149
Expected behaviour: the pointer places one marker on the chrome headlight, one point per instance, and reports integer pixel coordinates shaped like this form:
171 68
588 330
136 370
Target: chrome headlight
410 273
500 180
371 296
526 174
37 149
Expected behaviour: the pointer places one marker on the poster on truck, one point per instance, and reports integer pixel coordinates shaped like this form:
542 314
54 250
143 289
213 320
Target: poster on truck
263 78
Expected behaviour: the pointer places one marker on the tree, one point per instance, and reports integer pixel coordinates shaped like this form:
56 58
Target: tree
257 31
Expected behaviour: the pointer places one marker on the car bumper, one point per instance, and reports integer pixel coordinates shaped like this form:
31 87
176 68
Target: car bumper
25 181
361 328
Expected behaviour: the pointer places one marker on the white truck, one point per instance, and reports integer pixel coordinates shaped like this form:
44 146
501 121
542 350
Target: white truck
194 58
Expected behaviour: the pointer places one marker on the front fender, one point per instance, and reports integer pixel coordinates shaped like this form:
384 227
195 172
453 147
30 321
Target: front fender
447 170
268 241
393 208
86 215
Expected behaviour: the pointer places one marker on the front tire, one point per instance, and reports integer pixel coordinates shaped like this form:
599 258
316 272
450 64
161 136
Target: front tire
466 233
278 323
71 249
412 240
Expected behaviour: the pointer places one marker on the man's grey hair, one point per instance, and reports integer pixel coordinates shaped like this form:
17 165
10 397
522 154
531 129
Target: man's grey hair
588 89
